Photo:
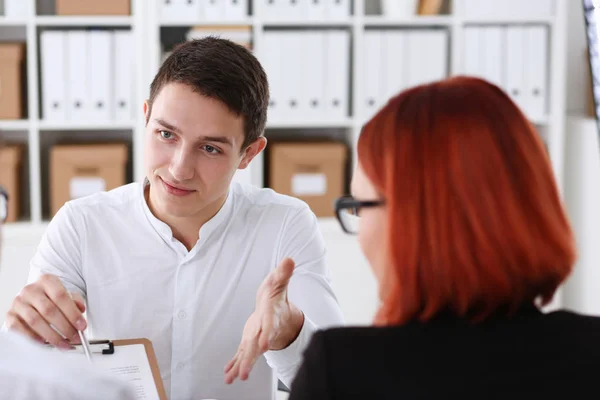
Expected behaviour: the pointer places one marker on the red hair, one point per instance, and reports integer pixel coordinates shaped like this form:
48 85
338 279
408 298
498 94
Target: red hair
475 220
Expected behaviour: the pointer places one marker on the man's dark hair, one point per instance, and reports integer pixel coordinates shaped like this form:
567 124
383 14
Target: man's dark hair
222 70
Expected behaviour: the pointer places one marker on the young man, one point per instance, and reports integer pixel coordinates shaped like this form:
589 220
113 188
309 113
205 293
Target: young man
200 266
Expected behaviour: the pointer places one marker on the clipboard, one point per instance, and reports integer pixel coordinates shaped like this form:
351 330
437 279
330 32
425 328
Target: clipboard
129 362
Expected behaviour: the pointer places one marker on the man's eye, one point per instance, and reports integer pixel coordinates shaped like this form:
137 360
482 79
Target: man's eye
166 135
211 150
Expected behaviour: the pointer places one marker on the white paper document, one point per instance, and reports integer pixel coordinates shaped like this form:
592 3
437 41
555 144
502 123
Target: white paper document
131 364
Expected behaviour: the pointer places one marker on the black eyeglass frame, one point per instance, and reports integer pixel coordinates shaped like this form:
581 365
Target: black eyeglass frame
4 194
349 202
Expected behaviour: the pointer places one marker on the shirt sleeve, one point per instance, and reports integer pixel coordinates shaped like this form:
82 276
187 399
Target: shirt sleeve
309 289
312 381
60 251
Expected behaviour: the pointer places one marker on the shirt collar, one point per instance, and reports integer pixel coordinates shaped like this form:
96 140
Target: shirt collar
206 230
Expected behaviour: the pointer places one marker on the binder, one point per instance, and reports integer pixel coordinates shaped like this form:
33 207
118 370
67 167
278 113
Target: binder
314 78
337 9
293 9
132 359
271 59
236 10
316 10
122 67
491 49
436 58
100 60
54 75
294 87
471 56
394 62
190 10
16 9
373 85
77 86
536 78
214 10
417 73
514 59
269 10
337 70
170 10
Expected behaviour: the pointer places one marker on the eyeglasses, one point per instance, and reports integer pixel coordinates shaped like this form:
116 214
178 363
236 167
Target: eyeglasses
3 204
347 210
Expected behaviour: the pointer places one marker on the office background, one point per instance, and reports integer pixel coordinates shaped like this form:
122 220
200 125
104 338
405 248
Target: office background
331 64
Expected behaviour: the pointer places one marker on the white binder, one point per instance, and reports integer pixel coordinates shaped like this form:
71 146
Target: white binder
54 75
213 10
316 10
294 72
492 44
473 65
436 63
416 62
337 9
16 9
536 77
271 59
337 66
394 62
293 10
123 70
236 10
172 10
268 10
373 56
100 63
314 74
514 61
77 86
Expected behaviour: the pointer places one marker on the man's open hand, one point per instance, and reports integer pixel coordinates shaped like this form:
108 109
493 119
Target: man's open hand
274 324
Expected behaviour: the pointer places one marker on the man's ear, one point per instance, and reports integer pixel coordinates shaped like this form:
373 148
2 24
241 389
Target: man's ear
146 108
252 151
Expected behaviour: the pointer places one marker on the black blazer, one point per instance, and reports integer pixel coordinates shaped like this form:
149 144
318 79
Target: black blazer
530 355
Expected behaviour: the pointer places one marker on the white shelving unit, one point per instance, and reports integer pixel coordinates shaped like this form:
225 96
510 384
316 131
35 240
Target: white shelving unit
146 24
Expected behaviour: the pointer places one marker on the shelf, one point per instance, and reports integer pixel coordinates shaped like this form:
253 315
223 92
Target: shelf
346 123
12 22
307 23
194 23
52 20
82 126
549 20
14 125
427 20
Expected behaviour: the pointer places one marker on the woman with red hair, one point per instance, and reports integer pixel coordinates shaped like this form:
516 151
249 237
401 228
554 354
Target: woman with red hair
461 221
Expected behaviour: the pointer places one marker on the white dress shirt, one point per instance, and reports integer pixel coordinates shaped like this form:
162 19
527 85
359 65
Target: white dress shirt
28 371
139 281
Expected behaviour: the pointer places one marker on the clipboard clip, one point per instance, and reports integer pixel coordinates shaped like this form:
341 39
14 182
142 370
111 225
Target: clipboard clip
96 347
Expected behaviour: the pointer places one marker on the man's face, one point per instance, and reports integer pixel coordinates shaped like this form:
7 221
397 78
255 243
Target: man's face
192 150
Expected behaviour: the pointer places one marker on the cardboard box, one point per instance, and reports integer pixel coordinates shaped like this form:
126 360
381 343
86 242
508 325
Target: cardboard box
313 172
81 170
10 177
93 7
11 80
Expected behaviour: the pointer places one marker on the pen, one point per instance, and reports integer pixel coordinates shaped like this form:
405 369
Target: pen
86 346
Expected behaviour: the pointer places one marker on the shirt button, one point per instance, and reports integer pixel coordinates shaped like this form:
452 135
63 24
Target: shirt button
181 315
179 366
